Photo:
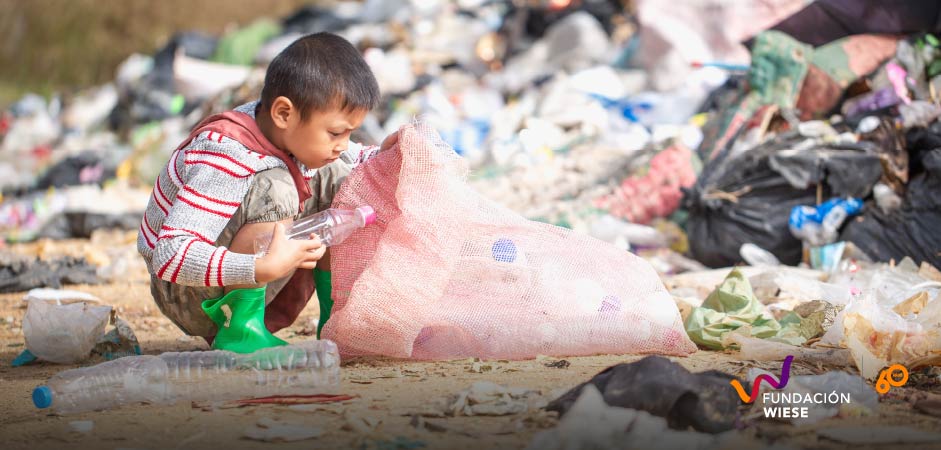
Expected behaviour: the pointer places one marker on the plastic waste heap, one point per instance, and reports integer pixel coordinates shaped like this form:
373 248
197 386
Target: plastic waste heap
300 369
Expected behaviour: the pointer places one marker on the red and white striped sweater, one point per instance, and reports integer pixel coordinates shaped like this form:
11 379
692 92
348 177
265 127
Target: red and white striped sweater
194 198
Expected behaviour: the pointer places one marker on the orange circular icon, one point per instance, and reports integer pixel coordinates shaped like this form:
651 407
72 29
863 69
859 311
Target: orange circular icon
887 378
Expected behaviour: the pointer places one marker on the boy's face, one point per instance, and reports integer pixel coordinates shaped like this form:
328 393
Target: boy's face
322 137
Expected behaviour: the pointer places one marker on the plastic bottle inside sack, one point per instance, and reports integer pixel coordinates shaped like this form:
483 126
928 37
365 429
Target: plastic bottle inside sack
333 226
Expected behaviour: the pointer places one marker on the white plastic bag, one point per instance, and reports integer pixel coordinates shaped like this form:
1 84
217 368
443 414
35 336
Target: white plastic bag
63 333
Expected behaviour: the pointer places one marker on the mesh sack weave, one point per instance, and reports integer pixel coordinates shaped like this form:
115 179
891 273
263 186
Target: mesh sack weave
446 272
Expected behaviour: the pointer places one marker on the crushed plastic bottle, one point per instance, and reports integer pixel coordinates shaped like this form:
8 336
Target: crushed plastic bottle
300 369
333 226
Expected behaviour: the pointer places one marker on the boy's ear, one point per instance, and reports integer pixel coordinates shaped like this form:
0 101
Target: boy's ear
281 111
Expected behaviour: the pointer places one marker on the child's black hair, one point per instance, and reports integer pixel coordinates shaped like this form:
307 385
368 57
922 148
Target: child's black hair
319 71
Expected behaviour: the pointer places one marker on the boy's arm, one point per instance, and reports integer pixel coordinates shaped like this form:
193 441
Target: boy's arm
211 188
358 153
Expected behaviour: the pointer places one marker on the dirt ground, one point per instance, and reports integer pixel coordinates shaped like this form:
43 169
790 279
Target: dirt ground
386 390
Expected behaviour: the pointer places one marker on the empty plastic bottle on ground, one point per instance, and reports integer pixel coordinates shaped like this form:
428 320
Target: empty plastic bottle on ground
300 369
332 226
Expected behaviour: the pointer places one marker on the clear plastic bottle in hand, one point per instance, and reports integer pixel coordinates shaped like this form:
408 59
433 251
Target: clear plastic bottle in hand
299 369
333 226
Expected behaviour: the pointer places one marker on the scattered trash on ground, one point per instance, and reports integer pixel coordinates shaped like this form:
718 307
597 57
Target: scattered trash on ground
591 423
484 398
63 333
665 389
82 426
18 273
305 368
272 430
277 400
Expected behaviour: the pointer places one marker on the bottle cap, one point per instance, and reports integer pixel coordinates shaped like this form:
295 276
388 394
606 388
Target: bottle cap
42 397
369 214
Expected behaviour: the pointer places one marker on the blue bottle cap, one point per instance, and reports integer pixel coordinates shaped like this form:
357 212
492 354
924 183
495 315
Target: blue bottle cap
42 397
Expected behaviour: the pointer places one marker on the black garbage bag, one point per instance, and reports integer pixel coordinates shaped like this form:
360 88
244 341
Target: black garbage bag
314 19
151 98
913 230
22 274
81 224
539 18
825 21
706 401
747 197
89 167
193 43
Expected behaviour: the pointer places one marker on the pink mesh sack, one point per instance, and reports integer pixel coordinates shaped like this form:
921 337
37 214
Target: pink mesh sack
445 272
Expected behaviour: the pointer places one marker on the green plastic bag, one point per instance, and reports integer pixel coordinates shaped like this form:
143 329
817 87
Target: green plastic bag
241 46
731 306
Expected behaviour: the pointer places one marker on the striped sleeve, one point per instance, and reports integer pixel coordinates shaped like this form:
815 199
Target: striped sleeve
211 187
360 153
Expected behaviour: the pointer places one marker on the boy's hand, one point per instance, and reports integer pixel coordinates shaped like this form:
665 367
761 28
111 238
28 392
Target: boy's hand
285 255
389 141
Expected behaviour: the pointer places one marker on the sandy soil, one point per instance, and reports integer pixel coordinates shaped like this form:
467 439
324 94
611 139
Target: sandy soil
386 390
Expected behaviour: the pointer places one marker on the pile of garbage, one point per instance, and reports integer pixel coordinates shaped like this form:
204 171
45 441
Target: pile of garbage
602 116
545 99
865 315
804 144
772 141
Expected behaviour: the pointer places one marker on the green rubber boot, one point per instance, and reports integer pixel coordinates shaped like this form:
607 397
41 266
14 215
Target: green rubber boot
324 289
240 316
